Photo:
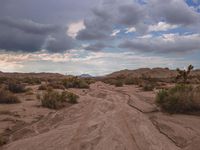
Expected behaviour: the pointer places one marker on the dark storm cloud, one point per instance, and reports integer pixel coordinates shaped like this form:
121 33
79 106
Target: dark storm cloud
96 47
28 26
29 36
98 27
58 42
101 14
91 34
110 14
47 11
12 39
173 11
131 15
176 44
33 25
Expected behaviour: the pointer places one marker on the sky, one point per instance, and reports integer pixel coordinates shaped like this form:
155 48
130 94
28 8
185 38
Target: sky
98 37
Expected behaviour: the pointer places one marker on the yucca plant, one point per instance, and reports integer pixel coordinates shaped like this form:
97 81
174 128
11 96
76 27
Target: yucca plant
184 74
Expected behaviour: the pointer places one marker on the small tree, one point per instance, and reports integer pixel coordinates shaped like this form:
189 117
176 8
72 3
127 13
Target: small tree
184 74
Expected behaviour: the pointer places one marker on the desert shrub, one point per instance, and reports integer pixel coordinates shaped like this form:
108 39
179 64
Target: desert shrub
32 81
148 86
56 85
16 87
7 97
72 98
75 82
109 81
55 100
52 99
181 98
3 141
3 80
29 92
129 81
113 81
118 83
43 87
89 80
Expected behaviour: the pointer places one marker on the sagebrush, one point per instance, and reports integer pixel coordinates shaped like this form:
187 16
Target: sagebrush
179 99
6 97
55 100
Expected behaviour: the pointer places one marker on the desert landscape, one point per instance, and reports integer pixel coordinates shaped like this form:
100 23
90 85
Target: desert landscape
117 111
99 74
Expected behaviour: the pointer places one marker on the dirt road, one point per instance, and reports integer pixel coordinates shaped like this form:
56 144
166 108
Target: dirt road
110 118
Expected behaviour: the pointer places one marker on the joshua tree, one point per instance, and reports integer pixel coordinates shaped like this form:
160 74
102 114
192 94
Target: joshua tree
184 74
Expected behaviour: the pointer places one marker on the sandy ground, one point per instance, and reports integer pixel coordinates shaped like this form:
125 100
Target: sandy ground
108 118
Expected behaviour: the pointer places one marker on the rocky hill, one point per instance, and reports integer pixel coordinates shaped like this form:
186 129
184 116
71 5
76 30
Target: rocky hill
153 73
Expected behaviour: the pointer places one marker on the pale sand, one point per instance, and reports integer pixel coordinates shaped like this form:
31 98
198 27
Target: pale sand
110 118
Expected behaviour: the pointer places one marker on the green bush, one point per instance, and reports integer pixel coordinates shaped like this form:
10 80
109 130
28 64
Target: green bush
110 81
118 83
181 98
3 141
148 87
131 81
75 82
3 80
16 87
7 97
56 85
43 87
55 100
52 99
31 80
72 98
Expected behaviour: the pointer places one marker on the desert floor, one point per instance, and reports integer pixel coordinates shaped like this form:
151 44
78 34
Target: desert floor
106 118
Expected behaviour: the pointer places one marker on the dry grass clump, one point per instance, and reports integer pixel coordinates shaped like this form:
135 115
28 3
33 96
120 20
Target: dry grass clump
118 83
114 81
110 81
43 87
55 100
56 85
31 80
179 99
52 85
131 81
3 80
149 86
75 82
7 97
72 98
3 141
16 87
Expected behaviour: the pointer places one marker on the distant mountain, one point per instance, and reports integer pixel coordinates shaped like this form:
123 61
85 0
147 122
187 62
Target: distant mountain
85 76
31 75
154 73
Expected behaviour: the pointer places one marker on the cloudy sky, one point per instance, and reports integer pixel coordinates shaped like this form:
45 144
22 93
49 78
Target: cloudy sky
98 36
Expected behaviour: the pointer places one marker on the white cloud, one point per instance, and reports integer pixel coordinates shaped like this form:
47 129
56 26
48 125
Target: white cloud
115 32
81 61
165 44
129 30
169 37
74 28
161 26
146 36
